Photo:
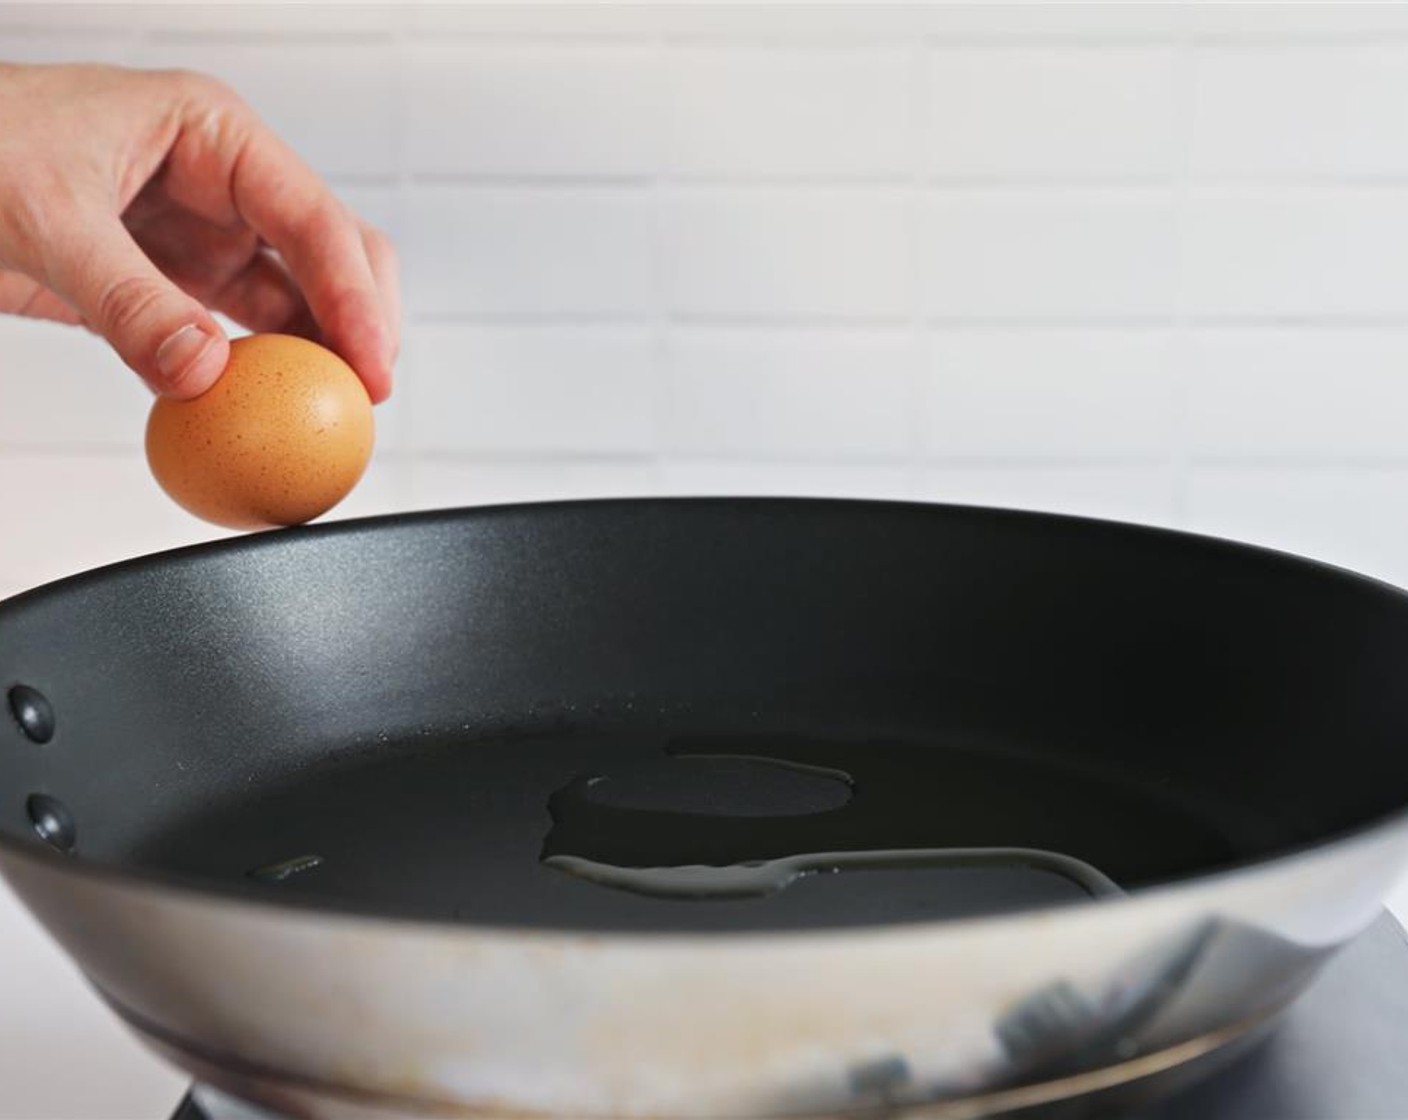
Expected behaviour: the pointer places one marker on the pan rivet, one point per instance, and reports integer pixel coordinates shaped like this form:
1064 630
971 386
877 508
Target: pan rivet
52 821
32 712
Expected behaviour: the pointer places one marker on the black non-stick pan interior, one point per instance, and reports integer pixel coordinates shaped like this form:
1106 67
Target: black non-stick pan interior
706 714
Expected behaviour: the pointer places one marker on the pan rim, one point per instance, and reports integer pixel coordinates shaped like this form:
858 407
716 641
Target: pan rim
279 537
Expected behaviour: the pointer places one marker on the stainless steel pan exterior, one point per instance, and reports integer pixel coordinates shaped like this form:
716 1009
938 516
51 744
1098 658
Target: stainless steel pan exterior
345 1018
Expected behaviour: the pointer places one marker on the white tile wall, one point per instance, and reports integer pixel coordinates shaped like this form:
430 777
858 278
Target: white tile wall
66 390
789 393
1290 394
83 44
815 478
789 112
1069 391
529 250
273 20
787 251
1293 251
1053 112
535 389
579 110
1144 261
1317 110
1059 253
461 481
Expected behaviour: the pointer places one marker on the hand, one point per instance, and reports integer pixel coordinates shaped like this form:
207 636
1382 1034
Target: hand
135 202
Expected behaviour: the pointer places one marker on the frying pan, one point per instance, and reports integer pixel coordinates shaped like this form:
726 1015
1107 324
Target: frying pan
710 807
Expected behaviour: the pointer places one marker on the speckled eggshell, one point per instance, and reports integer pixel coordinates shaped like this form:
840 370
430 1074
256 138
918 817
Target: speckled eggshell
280 439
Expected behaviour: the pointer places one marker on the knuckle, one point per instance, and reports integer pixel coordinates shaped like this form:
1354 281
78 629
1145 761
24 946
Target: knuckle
207 100
196 84
125 302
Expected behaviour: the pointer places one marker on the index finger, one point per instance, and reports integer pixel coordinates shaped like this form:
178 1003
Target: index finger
285 201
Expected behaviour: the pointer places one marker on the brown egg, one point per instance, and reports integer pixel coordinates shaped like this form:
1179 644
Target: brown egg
280 439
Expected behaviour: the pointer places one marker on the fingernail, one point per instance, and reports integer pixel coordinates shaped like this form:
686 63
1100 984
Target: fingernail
181 351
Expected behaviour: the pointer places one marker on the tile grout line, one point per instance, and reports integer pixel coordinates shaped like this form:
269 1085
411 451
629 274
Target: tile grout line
1180 341
899 322
827 41
980 186
920 173
662 265
406 479
979 461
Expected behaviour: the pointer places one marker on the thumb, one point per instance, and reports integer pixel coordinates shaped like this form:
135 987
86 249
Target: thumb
169 338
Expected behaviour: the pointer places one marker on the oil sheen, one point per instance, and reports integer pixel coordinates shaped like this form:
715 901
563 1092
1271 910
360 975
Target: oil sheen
622 827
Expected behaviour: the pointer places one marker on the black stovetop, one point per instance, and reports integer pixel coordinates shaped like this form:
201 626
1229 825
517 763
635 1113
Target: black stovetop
1341 1053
